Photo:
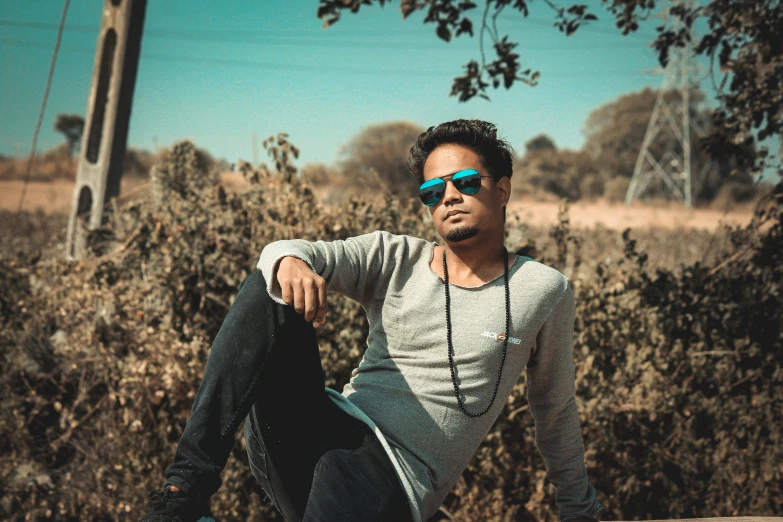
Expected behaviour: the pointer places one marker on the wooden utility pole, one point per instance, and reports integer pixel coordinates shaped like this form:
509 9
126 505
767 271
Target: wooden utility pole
106 120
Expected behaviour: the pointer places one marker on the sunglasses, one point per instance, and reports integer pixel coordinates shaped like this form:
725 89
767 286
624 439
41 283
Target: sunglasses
467 181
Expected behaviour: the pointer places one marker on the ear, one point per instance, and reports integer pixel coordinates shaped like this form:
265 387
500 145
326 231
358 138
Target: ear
504 186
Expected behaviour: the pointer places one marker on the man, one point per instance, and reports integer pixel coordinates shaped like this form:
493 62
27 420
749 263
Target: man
452 327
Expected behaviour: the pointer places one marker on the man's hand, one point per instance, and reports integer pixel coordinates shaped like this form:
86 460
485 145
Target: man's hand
302 288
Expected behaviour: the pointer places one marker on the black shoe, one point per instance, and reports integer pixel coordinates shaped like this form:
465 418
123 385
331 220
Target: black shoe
176 506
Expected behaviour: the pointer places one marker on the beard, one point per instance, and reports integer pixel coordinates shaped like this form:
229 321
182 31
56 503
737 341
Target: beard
461 233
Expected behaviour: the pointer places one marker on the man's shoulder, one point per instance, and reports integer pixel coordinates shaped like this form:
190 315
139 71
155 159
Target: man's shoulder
387 236
392 250
402 237
544 279
395 245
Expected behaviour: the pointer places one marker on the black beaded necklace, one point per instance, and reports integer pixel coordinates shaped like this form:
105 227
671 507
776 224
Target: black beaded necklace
451 347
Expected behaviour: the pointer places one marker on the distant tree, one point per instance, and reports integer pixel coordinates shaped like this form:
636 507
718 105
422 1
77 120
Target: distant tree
138 162
72 127
540 142
318 174
614 134
742 42
375 157
564 173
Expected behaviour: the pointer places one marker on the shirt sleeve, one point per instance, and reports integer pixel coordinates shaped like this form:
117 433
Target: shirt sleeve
353 267
550 387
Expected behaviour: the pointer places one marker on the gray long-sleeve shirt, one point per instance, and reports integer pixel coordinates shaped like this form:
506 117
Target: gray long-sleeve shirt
402 387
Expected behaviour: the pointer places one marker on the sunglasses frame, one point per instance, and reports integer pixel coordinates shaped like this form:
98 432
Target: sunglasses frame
446 179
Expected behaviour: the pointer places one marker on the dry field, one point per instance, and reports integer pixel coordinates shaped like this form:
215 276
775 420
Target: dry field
54 197
587 214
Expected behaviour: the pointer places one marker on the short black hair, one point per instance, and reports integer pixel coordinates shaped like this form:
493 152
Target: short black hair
480 136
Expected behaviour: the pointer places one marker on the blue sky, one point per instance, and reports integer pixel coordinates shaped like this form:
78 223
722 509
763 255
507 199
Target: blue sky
216 72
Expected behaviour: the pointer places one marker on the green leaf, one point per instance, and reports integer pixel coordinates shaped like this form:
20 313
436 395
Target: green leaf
443 33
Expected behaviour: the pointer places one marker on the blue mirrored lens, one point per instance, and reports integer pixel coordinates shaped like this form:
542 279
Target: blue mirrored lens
431 191
467 181
464 173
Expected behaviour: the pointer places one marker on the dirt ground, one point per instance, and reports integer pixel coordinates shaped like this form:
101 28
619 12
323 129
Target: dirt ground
52 197
55 197
619 216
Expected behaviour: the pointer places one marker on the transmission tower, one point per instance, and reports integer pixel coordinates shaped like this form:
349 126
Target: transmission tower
670 120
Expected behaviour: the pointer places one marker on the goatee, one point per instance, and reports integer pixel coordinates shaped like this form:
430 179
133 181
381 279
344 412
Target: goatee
461 233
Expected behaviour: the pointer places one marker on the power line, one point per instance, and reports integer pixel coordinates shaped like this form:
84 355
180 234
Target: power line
315 42
161 57
582 28
42 109
34 24
286 38
245 33
351 45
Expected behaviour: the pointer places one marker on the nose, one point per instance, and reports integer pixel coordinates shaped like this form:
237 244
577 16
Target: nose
451 192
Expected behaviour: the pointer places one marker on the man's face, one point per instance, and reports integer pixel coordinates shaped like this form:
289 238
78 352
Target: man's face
480 212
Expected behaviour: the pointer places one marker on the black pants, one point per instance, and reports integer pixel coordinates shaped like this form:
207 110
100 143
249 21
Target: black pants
315 462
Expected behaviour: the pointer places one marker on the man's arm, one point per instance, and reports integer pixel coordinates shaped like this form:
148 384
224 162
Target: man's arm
550 389
353 267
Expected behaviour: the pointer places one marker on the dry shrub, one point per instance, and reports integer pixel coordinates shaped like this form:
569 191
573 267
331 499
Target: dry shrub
733 193
317 174
116 344
615 189
678 378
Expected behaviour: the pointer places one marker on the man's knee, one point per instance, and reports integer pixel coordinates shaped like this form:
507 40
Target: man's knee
252 292
254 279
253 289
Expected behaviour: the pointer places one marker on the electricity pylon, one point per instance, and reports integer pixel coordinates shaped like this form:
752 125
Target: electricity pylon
671 118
